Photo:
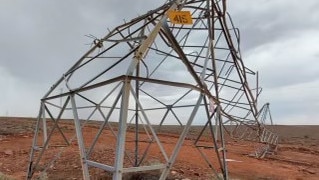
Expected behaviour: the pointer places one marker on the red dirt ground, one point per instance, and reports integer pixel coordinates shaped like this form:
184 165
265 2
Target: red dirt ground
297 156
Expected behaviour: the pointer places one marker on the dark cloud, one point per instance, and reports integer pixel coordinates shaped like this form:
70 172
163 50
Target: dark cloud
279 39
266 21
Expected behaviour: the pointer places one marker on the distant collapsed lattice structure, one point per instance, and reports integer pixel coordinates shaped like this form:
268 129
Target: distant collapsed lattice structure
150 71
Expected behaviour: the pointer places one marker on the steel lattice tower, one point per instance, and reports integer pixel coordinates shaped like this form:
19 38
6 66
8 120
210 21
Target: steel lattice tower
157 68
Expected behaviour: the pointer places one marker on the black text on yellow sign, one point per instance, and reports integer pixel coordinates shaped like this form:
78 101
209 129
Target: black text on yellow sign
180 17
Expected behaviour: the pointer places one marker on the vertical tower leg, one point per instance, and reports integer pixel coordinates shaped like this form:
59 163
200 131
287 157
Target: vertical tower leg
85 169
44 123
120 145
222 139
30 169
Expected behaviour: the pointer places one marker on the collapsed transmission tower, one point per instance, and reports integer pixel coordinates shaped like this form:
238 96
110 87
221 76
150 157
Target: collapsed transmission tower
179 63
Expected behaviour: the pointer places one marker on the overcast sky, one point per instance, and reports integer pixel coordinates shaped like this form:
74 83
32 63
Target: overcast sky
41 39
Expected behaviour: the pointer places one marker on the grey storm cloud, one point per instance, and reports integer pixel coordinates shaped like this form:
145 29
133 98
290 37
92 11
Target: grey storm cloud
267 21
279 39
41 39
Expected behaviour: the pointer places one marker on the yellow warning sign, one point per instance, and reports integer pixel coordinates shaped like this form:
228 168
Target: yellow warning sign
180 17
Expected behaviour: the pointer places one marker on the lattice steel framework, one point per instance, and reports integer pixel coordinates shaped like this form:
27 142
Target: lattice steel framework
149 72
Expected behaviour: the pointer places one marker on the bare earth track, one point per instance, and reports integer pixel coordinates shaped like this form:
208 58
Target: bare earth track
297 156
